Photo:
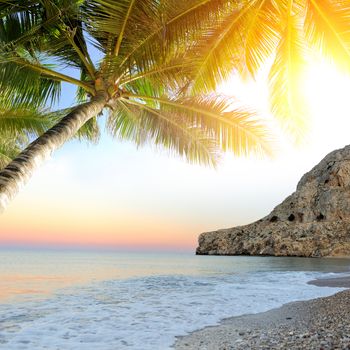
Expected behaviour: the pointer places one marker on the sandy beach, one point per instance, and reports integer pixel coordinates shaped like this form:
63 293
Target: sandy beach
322 323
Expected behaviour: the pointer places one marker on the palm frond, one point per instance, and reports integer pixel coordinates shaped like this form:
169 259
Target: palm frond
17 69
327 29
234 128
122 29
142 124
13 6
53 27
286 97
33 27
124 122
66 40
107 21
9 149
150 28
174 74
23 77
19 24
145 87
220 49
261 34
184 22
21 85
29 121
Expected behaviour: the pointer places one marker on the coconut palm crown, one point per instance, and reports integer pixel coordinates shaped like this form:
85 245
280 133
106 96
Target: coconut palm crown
152 80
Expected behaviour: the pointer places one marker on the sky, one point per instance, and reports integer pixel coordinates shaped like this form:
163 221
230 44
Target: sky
113 195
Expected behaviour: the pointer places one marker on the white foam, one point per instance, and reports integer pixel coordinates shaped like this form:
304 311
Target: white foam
148 312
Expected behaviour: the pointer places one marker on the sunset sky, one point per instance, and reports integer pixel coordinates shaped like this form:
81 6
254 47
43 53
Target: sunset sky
115 195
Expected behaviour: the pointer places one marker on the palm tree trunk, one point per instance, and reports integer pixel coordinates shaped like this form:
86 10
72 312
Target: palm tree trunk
19 171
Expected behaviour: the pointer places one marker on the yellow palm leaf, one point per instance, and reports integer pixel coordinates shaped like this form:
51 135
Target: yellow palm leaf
327 29
286 97
261 34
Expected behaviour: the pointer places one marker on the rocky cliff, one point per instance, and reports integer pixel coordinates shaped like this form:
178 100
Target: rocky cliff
314 221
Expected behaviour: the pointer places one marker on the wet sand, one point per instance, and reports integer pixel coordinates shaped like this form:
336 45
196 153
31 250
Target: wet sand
340 282
322 323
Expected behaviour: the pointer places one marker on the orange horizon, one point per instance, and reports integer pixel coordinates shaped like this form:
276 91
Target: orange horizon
112 240
29 243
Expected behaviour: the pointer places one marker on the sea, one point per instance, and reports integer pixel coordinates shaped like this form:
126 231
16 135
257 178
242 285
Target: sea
110 300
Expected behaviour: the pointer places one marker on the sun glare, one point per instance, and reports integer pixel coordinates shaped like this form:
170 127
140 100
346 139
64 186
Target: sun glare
326 91
326 88
327 94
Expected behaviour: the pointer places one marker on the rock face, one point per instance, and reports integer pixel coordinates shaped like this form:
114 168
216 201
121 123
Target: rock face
312 222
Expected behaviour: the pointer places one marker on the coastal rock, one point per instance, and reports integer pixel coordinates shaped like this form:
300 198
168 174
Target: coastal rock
314 221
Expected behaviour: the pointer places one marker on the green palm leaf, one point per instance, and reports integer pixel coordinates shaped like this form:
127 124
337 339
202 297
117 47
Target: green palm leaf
24 120
173 131
234 129
175 74
159 27
9 149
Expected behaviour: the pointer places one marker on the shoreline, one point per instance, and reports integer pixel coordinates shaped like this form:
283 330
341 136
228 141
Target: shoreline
337 282
321 323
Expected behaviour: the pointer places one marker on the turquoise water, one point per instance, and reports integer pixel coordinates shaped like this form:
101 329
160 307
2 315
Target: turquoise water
119 300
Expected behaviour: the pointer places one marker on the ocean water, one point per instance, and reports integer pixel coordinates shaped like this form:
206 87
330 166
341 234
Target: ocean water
114 300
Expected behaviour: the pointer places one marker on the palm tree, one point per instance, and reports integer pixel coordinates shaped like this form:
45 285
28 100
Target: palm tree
159 59
155 78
